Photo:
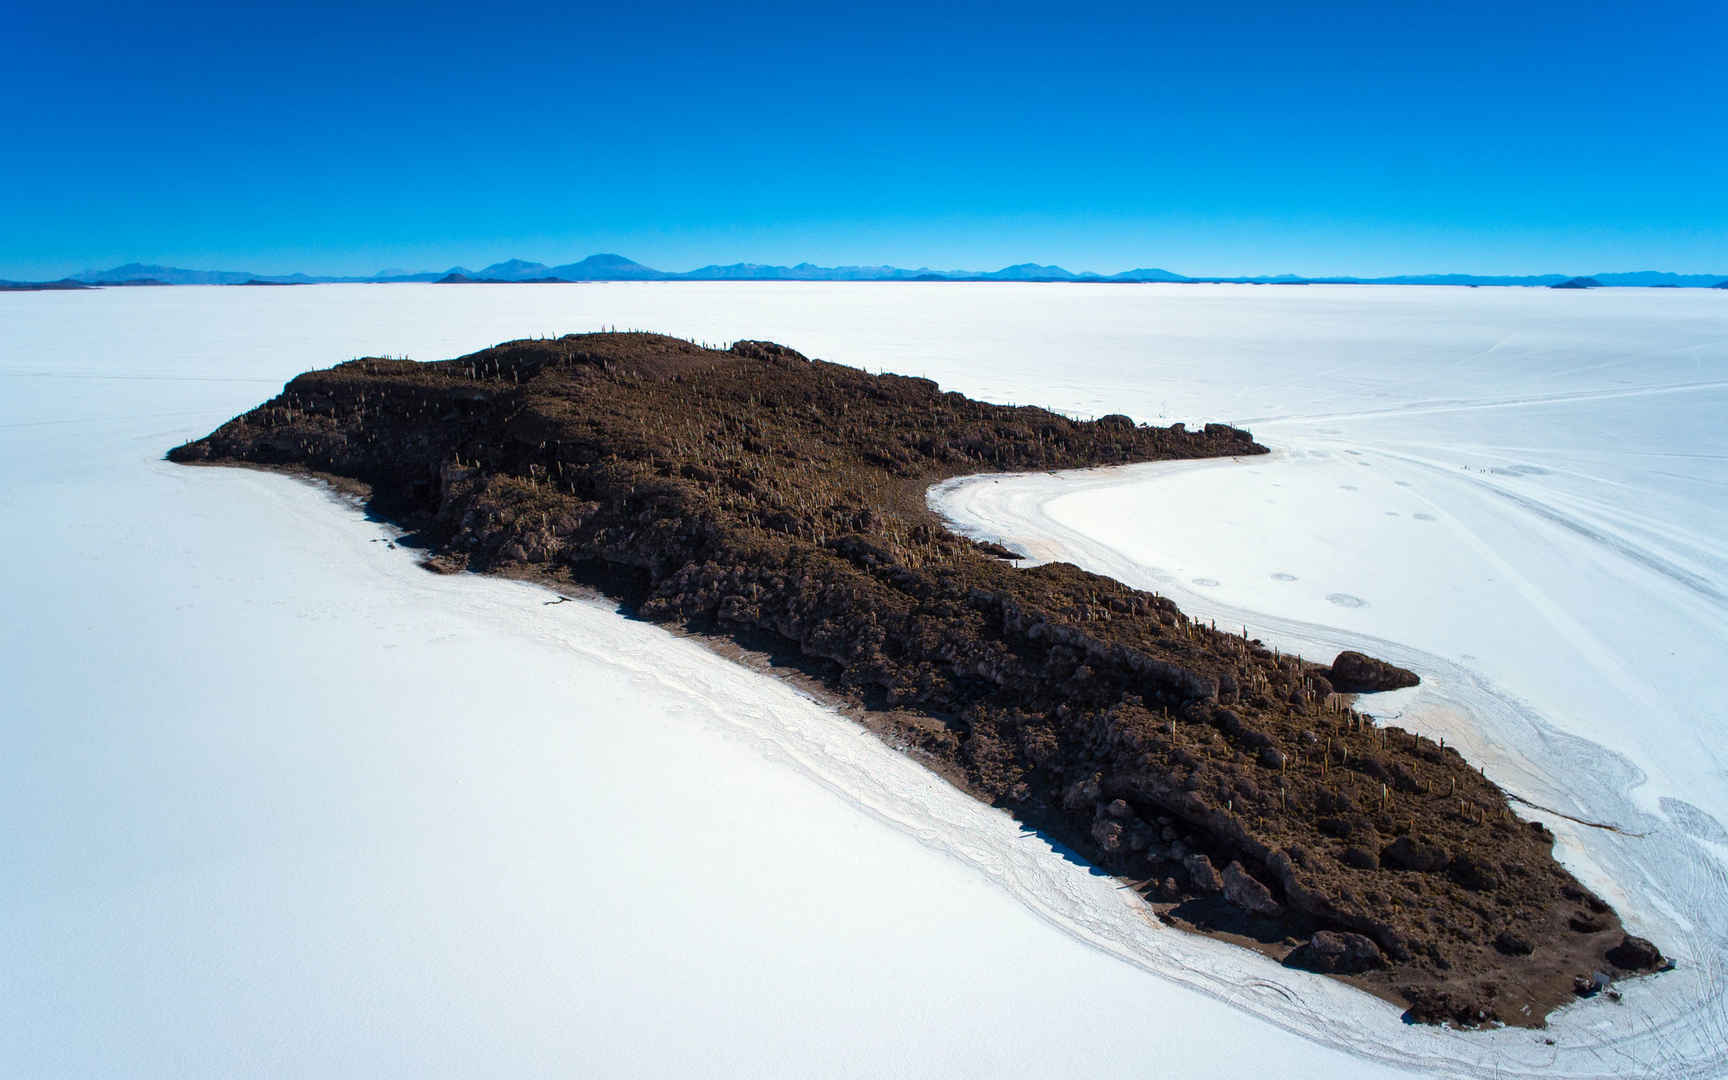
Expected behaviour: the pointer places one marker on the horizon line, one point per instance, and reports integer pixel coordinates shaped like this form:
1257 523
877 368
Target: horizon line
516 269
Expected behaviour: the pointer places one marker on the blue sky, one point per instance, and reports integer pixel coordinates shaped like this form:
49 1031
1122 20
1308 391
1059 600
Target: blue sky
1204 138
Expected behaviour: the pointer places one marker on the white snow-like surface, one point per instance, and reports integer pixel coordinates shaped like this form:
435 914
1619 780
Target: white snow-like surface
278 802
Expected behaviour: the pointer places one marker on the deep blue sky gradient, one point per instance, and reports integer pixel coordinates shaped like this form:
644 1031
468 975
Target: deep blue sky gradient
1204 138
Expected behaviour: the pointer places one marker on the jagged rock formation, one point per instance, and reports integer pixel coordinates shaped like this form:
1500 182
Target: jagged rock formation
756 494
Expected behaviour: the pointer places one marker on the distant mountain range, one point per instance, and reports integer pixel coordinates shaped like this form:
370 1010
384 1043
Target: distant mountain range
607 267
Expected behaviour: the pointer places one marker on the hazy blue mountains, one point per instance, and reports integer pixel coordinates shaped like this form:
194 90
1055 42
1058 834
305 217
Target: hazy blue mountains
613 267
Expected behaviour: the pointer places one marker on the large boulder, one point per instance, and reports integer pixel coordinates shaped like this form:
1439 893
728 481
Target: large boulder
1474 873
1635 954
1354 673
1360 858
1513 944
1108 834
1333 952
1414 853
1448 1005
1202 874
1241 889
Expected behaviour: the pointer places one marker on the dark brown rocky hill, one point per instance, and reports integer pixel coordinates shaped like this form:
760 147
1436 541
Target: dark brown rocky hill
759 495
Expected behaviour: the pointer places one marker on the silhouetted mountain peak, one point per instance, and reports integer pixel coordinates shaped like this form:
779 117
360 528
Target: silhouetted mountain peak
1031 272
511 269
607 267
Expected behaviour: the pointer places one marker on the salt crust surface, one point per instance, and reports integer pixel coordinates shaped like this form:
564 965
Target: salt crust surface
281 802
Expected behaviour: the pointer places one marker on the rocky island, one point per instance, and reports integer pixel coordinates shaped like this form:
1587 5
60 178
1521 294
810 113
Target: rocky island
761 498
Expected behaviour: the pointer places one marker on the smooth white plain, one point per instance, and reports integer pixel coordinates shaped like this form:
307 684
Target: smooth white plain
282 803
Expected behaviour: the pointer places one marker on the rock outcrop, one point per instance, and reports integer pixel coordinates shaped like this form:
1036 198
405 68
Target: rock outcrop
758 495
1354 673
1332 953
1203 877
1241 889
1636 954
